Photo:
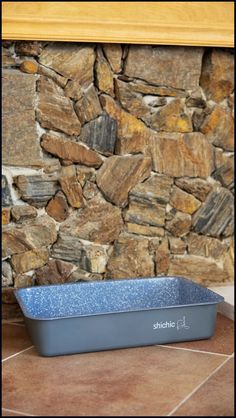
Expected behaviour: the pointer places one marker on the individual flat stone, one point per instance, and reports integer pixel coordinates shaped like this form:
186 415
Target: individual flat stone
155 101
90 257
37 189
90 190
225 173
23 280
55 271
28 236
180 155
170 118
28 49
140 87
72 60
85 174
57 207
99 222
104 75
6 193
162 257
81 275
155 189
147 213
88 107
199 269
131 101
217 77
71 187
119 175
7 279
155 65
20 145
133 136
7 58
215 213
29 67
180 225
177 245
54 110
183 201
6 215
70 150
73 90
218 128
130 258
29 260
100 134
113 53
205 246
198 187
147 230
20 213
48 72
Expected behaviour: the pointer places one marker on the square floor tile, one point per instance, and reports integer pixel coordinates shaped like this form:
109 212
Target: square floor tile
14 339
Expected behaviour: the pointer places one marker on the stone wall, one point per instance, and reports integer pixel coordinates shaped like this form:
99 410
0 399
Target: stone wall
117 162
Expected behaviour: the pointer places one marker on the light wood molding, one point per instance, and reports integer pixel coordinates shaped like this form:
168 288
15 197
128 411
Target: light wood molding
169 23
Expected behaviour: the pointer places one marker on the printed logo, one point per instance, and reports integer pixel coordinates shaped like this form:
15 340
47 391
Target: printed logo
180 324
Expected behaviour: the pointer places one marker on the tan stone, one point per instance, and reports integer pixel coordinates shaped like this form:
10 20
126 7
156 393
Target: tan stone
85 174
104 74
73 90
130 258
57 207
181 155
55 111
99 222
162 257
88 107
228 261
177 245
70 150
81 275
118 175
130 100
183 201
155 189
30 67
72 60
180 225
140 87
217 77
6 214
55 271
23 280
133 135
205 246
29 260
146 213
71 187
198 187
199 269
155 65
171 118
90 190
147 230
20 138
113 53
28 236
48 72
218 128
225 173
22 212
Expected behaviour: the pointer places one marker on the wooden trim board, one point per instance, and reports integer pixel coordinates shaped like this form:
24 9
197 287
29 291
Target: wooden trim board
169 23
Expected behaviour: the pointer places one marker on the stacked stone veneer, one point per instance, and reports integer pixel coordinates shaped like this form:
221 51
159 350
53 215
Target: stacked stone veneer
117 162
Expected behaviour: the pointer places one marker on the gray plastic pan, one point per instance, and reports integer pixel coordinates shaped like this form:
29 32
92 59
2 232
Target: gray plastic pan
93 316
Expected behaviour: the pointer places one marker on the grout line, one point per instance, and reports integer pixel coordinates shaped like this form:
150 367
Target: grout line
18 324
198 387
194 350
18 412
16 354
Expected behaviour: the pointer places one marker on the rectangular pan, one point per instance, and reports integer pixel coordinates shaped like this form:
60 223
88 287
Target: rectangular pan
94 316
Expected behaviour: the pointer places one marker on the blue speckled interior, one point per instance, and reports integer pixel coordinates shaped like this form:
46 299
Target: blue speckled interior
79 299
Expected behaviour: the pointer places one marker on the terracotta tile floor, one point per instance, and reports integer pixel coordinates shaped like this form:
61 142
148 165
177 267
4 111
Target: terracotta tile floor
185 379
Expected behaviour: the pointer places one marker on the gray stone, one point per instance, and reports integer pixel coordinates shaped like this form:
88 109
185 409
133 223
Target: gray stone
37 190
215 214
156 64
225 174
20 138
22 212
7 279
6 193
155 189
100 134
147 213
